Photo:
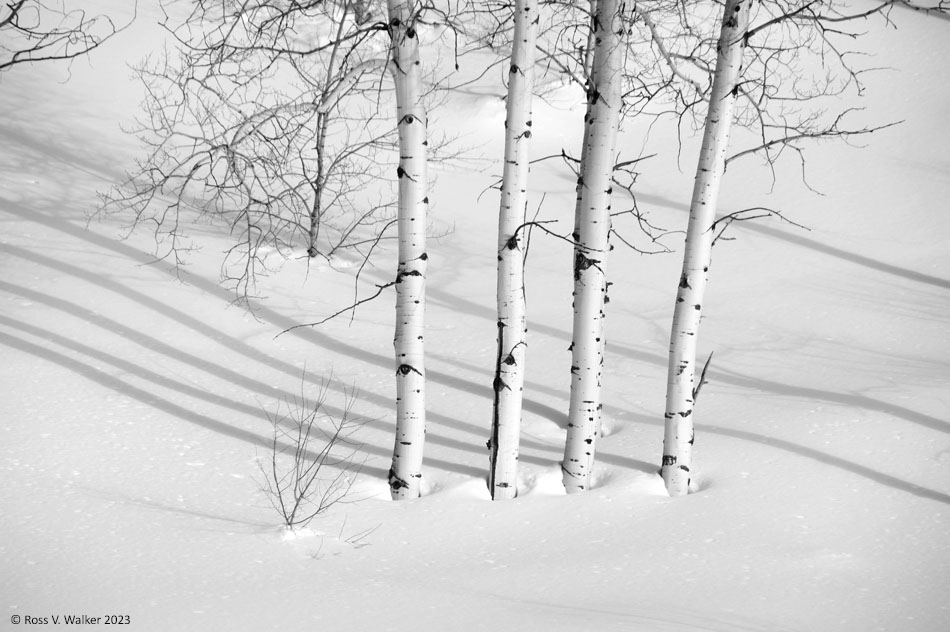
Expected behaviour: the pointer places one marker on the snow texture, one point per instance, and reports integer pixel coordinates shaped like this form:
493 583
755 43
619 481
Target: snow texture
134 395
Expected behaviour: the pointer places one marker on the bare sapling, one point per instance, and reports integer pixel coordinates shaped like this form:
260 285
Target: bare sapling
312 462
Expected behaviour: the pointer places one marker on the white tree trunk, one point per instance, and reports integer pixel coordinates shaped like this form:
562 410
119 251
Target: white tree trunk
512 322
678 435
406 472
592 236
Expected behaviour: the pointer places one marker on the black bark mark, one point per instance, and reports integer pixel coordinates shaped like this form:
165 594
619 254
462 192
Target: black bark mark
407 273
495 422
401 173
582 263
406 369
395 482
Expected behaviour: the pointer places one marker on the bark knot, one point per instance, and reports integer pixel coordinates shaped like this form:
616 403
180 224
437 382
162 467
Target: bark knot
395 482
406 369
407 273
582 263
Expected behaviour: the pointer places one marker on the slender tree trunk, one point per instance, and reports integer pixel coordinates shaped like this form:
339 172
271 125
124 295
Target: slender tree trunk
591 34
406 472
592 236
512 322
680 393
317 184
588 117
324 109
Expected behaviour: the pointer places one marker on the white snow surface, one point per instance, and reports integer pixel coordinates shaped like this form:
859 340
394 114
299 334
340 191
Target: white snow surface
134 396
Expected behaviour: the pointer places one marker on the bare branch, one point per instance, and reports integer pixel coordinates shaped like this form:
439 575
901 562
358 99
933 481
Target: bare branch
379 290
702 378
33 31
747 214
824 134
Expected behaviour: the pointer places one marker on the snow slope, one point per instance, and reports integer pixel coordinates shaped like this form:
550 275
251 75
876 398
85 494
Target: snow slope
134 396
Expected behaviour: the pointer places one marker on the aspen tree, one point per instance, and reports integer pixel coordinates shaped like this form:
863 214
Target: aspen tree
406 473
287 160
681 379
590 253
512 321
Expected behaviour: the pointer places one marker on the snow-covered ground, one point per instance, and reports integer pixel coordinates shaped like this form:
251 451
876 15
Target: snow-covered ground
134 398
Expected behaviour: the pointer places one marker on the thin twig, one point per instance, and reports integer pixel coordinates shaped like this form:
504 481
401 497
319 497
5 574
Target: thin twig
702 379
380 289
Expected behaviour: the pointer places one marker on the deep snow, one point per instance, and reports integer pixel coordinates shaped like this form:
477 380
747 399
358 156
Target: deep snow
134 396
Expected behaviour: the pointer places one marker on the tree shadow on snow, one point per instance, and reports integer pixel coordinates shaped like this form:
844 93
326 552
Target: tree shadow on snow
722 374
812 244
325 341
828 459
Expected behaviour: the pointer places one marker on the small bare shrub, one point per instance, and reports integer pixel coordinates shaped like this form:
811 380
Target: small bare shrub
312 462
